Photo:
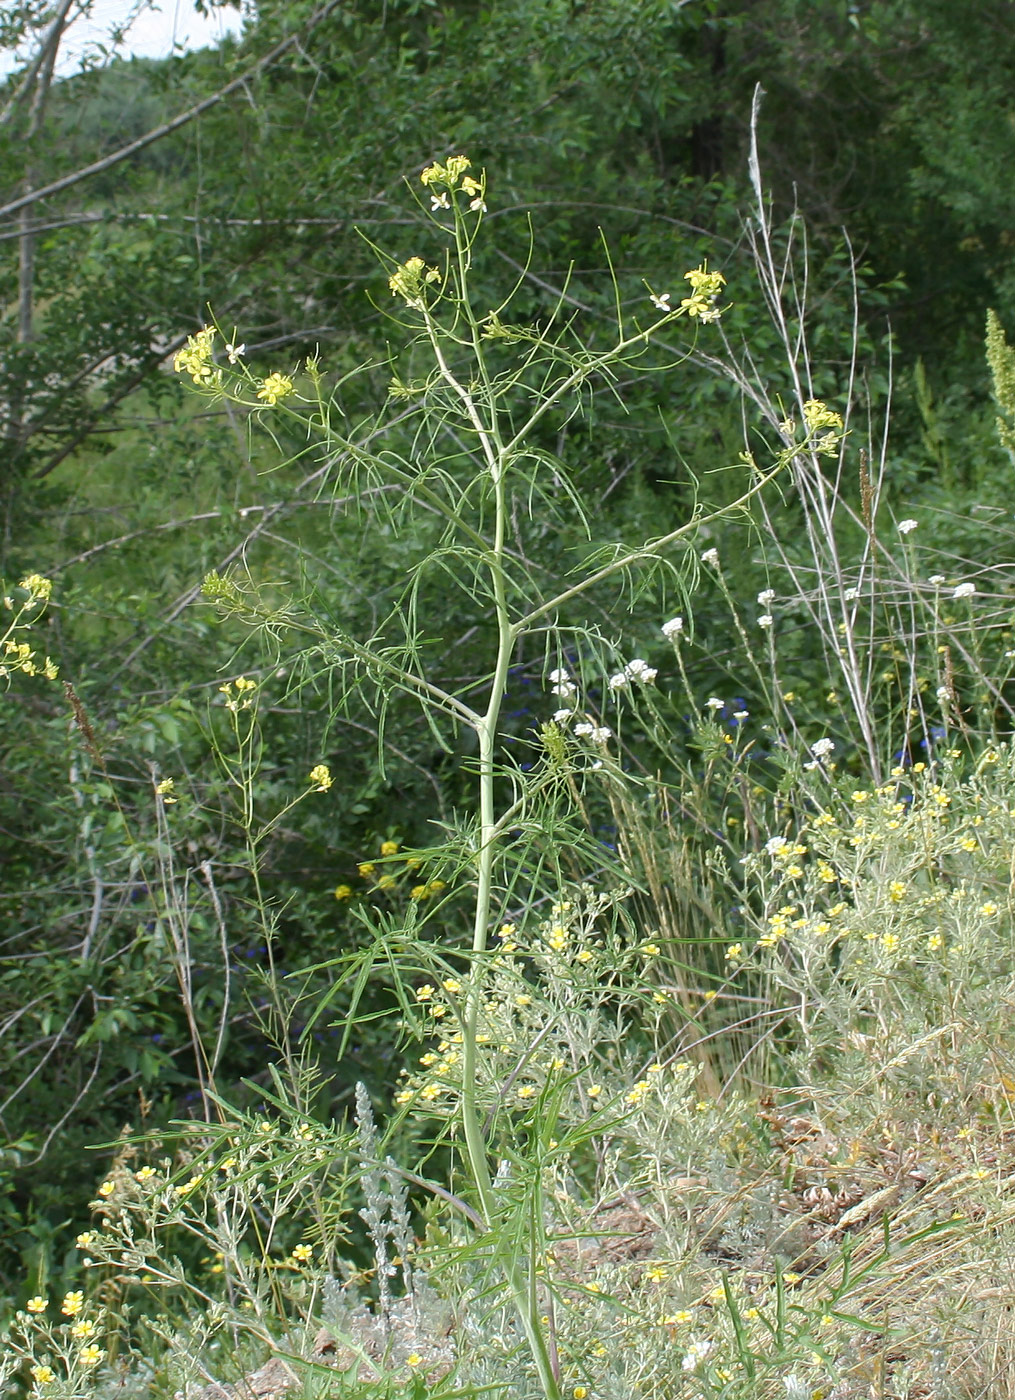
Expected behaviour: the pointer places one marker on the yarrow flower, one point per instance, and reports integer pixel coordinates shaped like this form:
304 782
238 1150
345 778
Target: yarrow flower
821 748
964 590
597 734
638 670
906 527
766 620
275 388
715 704
766 597
673 628
711 556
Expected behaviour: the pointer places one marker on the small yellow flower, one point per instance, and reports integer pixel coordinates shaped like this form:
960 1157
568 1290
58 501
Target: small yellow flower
425 992
72 1303
145 1174
988 910
90 1355
82 1328
366 868
386 882
896 891
651 950
166 790
594 1090
657 1274
343 891
275 388
320 777
389 848
580 1392
735 952
414 1359
84 1239
419 892
303 1253
450 984
526 1092
107 1188
43 1375
37 1304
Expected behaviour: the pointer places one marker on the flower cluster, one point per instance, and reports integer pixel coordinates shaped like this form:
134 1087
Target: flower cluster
409 280
275 388
195 358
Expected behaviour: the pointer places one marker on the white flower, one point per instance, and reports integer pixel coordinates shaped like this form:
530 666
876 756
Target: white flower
233 352
851 595
617 682
638 670
822 748
711 556
765 620
673 627
714 704
598 734
906 527
766 597
440 201
964 590
943 694
696 1354
562 716
741 714
661 303
776 845
478 205
564 690
937 580
712 314
559 675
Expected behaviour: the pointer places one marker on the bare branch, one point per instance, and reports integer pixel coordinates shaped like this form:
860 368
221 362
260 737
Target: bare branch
157 133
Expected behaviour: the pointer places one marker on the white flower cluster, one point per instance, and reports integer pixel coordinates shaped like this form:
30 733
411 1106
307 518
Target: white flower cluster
636 670
673 628
596 733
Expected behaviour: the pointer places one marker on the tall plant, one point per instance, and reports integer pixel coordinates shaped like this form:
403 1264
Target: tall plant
459 458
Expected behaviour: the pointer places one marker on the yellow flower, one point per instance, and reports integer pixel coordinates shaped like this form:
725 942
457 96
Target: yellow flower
165 790
419 892
84 1327
594 1090
366 868
84 1239
72 1303
414 1359
37 1304
580 1392
195 357
343 891
389 848
145 1174
526 1091
90 1355
303 1252
896 891
320 777
651 950
451 985
107 1188
734 952
43 1375
425 992
385 882
275 388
